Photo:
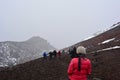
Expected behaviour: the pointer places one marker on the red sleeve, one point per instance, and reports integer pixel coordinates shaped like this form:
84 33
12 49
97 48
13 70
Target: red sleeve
70 69
89 67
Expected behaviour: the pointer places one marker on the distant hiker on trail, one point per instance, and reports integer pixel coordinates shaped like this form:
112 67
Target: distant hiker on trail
54 53
73 53
59 54
50 54
63 51
79 67
44 55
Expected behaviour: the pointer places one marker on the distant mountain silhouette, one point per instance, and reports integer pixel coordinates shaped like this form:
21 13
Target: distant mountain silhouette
12 53
102 49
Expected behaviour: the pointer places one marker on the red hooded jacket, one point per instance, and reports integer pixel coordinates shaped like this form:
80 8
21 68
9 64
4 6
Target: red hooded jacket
73 72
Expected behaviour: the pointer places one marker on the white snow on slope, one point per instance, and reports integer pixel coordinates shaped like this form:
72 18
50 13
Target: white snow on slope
88 38
115 47
3 65
6 59
106 41
100 32
115 25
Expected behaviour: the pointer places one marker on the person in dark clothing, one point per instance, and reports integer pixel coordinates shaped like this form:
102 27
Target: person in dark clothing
54 53
50 54
73 53
63 51
59 54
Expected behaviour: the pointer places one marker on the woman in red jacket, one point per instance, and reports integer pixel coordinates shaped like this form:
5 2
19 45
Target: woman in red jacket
79 67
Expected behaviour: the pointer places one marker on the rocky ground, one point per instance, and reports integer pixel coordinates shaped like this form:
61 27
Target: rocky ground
106 65
39 69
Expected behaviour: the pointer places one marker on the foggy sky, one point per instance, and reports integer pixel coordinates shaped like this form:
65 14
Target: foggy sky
61 22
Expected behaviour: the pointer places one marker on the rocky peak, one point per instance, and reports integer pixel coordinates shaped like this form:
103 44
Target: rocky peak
35 39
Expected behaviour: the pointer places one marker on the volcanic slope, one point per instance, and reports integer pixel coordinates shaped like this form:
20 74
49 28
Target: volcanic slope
104 52
39 69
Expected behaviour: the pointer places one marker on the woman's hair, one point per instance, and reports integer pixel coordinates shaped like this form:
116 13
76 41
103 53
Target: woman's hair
79 60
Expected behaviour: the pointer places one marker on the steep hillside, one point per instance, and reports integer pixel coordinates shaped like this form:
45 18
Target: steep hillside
38 69
104 51
12 53
105 66
104 40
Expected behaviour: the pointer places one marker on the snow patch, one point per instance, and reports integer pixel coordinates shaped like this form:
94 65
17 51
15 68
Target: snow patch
3 65
117 40
115 47
106 41
12 60
89 38
115 25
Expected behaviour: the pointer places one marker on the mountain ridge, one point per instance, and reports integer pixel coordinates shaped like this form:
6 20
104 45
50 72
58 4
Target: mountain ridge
22 51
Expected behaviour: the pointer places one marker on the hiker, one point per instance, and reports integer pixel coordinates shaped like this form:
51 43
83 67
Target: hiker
59 54
50 54
44 55
63 51
54 53
73 53
79 67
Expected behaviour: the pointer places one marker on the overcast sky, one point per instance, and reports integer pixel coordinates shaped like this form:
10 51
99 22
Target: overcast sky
61 22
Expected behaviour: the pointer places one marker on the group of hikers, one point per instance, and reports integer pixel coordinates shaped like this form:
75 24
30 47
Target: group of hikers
79 67
52 54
